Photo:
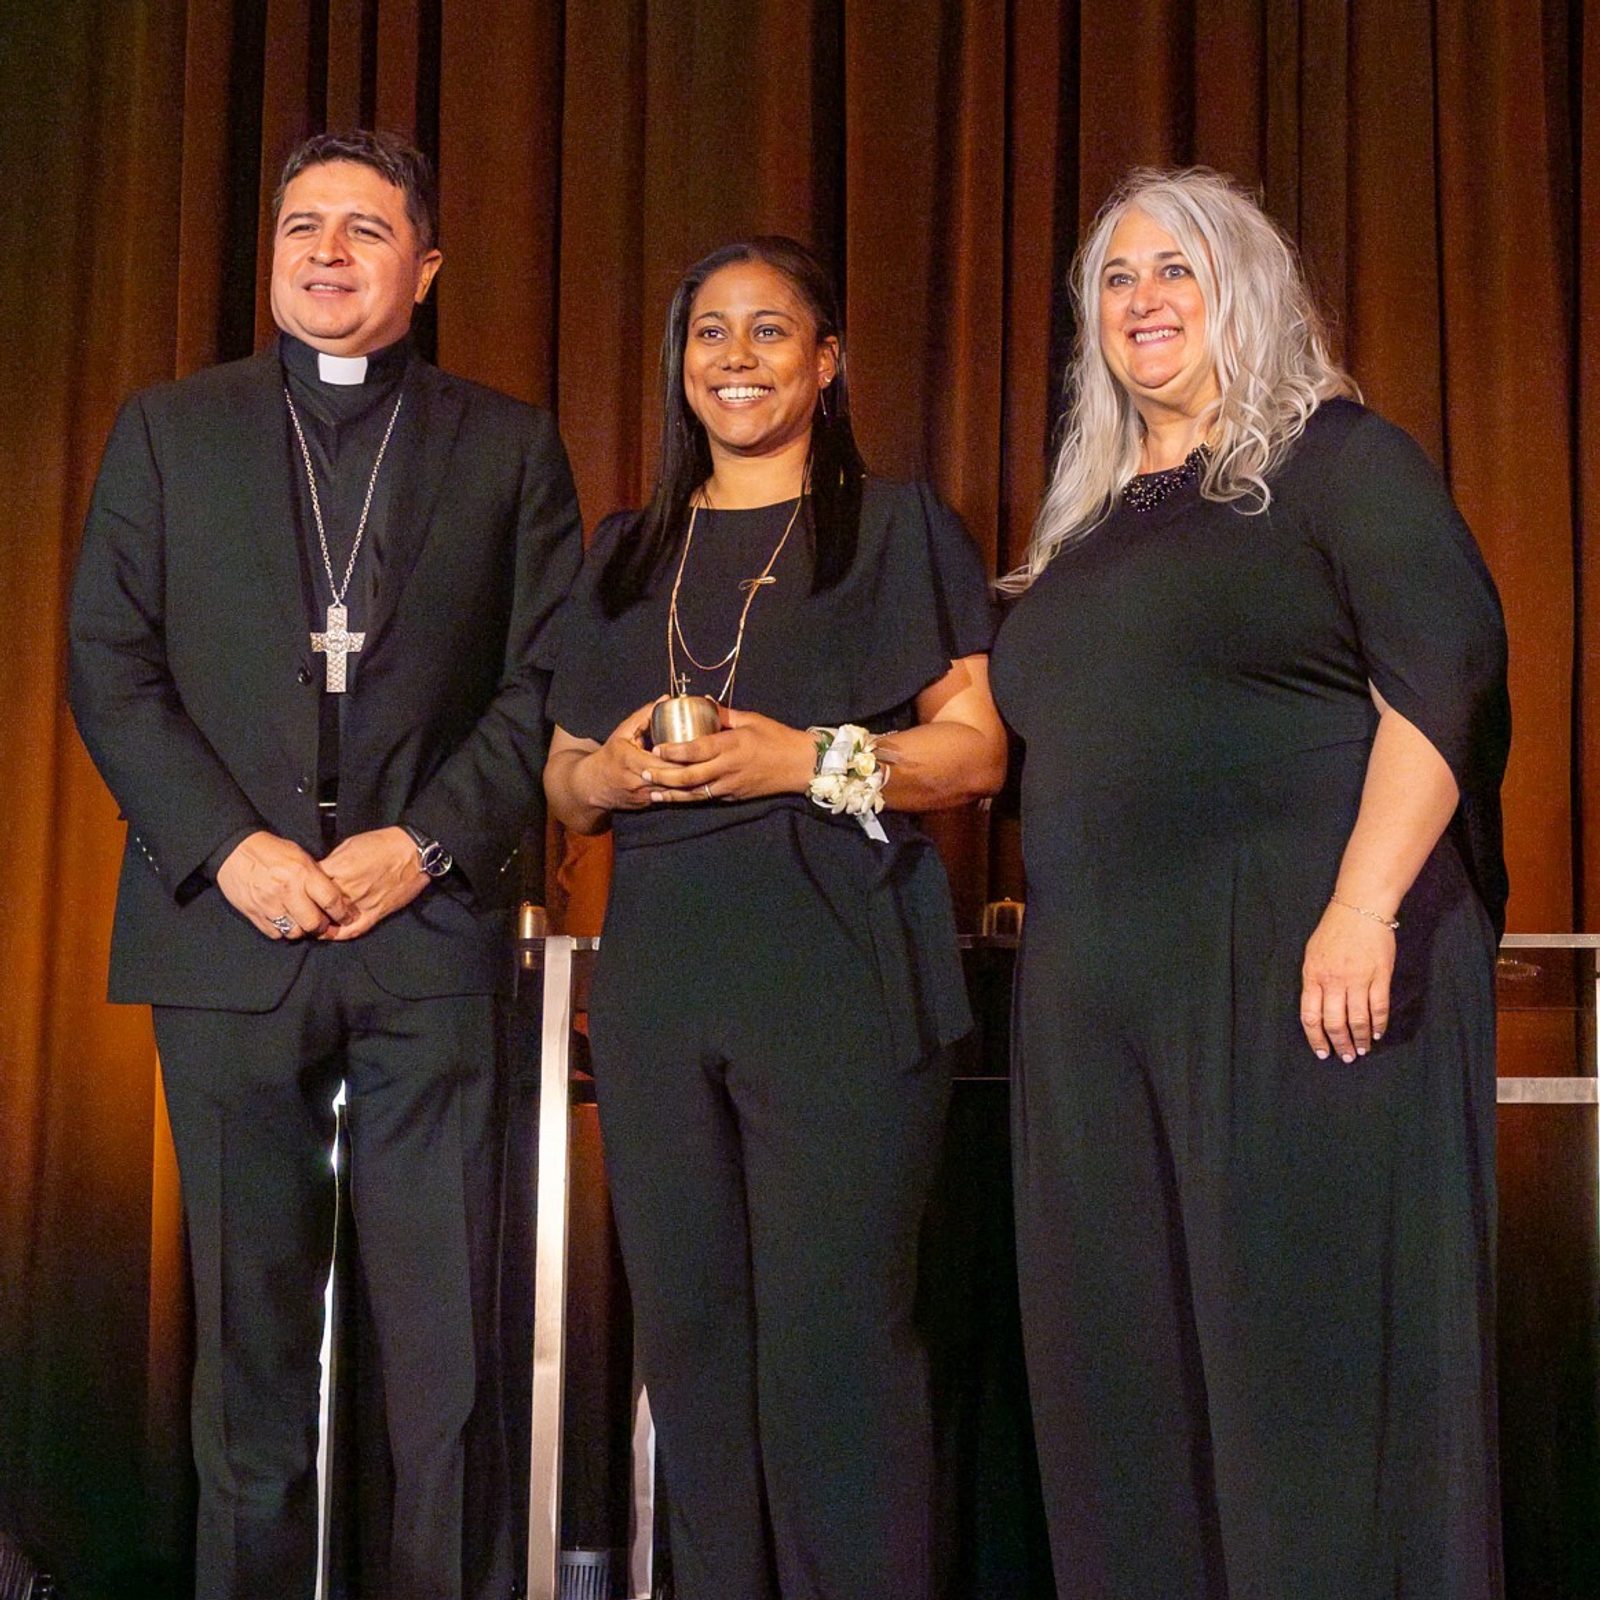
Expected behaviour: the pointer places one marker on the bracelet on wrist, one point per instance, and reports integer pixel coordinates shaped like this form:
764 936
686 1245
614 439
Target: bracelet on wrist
1391 923
848 776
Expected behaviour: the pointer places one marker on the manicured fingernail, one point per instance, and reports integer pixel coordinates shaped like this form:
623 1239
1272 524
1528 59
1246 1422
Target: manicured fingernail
646 775
1322 1055
1347 1058
1361 1049
1376 1037
657 796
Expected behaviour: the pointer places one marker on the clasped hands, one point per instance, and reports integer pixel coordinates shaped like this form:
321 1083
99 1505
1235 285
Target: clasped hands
751 755
364 879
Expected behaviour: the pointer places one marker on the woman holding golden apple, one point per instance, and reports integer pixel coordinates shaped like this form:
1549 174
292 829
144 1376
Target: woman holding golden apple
778 981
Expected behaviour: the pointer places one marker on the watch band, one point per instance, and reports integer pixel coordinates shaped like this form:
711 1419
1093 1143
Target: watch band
432 856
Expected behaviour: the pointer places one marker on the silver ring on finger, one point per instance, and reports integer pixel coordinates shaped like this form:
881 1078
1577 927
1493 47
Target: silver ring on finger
705 789
284 925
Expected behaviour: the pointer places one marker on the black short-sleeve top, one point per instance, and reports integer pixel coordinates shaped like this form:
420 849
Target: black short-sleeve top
1198 636
915 599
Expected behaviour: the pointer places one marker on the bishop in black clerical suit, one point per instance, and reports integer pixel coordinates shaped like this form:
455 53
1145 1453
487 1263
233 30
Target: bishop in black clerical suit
307 630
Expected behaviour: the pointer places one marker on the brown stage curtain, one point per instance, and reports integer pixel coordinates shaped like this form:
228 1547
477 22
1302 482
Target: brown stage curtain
1438 160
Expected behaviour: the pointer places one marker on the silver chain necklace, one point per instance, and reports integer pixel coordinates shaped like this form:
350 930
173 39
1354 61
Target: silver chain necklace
337 642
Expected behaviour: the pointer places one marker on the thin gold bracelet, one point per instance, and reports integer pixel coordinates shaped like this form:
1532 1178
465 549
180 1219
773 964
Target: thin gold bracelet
1377 916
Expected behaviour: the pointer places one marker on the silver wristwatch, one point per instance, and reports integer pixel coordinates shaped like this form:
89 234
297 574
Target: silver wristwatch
432 856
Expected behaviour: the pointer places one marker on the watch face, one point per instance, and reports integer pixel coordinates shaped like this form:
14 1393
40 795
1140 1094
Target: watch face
434 859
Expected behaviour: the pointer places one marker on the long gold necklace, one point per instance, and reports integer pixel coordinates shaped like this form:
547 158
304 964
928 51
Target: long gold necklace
751 587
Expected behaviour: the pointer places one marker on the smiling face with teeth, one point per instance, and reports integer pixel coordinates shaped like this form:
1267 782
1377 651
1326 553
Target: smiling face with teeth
753 366
1153 322
347 262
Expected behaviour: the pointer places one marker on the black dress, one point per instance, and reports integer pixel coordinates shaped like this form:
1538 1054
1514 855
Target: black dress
1257 1287
771 1004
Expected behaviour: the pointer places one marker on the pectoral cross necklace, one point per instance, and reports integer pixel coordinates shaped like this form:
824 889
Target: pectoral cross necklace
336 641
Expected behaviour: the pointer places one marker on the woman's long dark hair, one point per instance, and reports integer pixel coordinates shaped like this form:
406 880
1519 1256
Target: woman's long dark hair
833 510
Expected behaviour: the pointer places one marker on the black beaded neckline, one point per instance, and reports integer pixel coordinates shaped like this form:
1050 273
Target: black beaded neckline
1150 489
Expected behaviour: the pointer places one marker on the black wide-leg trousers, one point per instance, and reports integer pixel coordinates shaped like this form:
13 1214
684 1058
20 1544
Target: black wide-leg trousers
1257 1288
770 1165
250 1098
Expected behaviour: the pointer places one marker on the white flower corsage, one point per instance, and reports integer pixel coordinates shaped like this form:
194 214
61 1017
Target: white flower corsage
849 776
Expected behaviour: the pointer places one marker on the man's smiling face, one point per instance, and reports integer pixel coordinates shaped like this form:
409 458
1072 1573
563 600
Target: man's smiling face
348 266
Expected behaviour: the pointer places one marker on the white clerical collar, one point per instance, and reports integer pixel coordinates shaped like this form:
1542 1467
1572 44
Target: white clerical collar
341 369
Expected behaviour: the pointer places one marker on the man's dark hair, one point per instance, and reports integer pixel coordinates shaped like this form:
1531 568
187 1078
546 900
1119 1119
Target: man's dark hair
389 156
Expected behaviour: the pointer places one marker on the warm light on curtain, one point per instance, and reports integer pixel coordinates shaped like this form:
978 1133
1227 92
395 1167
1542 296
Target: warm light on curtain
943 154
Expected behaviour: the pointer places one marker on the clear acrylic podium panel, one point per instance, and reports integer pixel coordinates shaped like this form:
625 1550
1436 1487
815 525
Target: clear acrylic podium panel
1549 1001
1549 1056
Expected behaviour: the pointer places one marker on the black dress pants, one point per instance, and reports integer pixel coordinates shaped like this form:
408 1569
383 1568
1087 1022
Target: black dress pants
250 1098
770 1166
1257 1288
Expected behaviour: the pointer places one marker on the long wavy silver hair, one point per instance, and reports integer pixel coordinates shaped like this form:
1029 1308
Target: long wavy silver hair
1267 341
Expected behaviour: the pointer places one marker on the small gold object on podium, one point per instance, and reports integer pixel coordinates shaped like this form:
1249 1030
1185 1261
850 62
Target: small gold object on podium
533 923
1002 920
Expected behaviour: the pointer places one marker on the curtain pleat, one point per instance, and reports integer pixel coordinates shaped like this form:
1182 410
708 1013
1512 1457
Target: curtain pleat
1584 260
400 25
1230 103
207 180
1507 383
347 98
600 313
1317 183
1435 160
89 314
1391 240
500 171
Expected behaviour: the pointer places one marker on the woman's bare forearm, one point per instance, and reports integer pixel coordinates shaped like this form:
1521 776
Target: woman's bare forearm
957 751
561 790
1407 800
939 765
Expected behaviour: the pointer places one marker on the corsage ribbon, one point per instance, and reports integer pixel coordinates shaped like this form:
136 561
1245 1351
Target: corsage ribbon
849 777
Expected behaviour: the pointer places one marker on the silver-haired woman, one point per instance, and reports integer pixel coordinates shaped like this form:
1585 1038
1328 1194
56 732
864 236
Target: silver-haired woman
1259 668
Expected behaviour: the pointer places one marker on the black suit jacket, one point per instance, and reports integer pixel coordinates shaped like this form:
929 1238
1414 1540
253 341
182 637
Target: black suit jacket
196 691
